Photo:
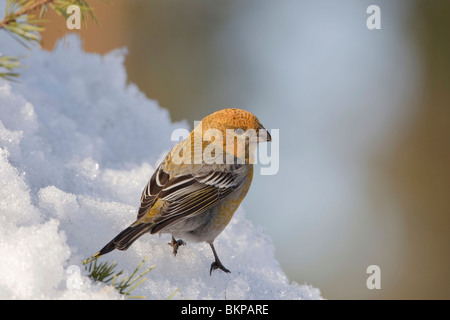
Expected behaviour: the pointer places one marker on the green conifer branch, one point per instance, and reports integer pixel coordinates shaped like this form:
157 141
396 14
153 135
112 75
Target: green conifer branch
21 23
105 272
8 64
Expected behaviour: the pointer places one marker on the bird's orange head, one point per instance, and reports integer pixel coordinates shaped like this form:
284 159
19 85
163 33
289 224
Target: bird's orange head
238 120
234 130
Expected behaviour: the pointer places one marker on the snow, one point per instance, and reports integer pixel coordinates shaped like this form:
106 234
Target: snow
77 146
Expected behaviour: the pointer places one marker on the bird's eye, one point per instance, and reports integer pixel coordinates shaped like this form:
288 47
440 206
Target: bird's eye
239 131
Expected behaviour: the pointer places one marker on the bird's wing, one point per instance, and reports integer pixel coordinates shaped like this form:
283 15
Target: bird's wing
187 194
151 191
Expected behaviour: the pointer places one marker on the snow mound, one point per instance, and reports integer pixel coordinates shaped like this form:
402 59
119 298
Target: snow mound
77 146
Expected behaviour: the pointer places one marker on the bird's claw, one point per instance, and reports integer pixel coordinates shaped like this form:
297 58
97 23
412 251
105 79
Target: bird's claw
175 244
218 265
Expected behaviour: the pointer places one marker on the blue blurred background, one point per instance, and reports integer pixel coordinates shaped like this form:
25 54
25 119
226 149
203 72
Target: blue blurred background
363 115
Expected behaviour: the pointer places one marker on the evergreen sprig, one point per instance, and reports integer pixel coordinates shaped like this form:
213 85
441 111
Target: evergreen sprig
23 20
8 64
105 272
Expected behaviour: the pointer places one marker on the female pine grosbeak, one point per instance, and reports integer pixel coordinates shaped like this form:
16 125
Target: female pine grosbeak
191 196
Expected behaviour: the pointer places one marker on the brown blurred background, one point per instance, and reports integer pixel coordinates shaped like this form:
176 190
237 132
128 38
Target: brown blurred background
175 57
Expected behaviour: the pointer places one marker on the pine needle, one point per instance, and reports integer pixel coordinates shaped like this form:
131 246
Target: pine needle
173 294
105 272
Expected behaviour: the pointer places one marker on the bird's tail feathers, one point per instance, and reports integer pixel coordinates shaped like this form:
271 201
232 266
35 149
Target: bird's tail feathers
123 240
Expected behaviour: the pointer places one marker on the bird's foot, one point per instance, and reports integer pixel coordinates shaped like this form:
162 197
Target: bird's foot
218 265
175 244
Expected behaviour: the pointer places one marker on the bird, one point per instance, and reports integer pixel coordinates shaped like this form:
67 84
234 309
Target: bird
199 185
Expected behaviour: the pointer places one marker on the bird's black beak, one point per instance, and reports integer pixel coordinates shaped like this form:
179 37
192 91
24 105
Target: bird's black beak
266 134
269 137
